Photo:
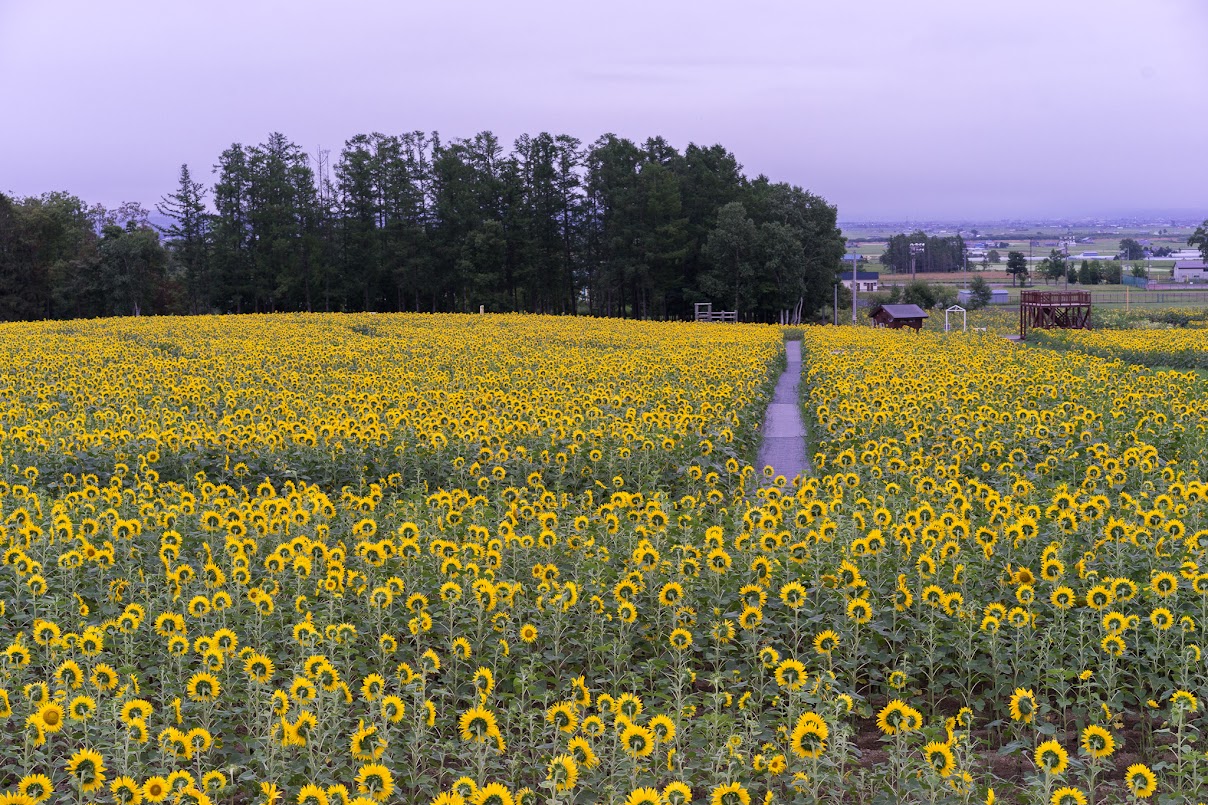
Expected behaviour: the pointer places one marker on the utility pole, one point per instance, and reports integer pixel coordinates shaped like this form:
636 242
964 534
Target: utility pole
855 285
915 250
836 305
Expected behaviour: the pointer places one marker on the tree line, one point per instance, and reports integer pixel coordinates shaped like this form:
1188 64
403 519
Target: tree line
411 222
935 253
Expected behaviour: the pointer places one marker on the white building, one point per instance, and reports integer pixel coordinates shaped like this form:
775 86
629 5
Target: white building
866 280
998 296
1189 271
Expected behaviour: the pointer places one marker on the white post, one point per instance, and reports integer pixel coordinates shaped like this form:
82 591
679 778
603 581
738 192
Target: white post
855 285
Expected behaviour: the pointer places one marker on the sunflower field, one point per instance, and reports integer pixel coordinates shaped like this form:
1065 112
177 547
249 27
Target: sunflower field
1167 348
493 560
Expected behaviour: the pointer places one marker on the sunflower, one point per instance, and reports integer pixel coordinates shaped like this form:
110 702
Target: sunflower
1164 584
213 781
363 745
1161 619
730 794
375 781
719 561
637 741
1141 781
448 798
808 739
859 610
563 716
69 675
81 708
372 687
1184 701
939 757
1051 758
528 633
35 786
493 794
750 618
311 794
125 790
259 668
663 728
1067 796
104 677
563 772
825 642
156 789
893 717
790 673
203 687
1098 742
302 690
135 709
644 796
1023 705
465 787
677 793
580 749
88 768
51 715
477 724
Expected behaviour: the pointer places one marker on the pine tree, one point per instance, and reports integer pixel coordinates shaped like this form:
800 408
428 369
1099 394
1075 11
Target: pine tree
188 238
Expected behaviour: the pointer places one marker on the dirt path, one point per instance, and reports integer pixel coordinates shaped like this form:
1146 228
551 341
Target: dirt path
783 445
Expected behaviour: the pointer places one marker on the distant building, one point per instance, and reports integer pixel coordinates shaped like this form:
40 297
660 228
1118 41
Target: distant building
895 317
998 296
1189 271
866 280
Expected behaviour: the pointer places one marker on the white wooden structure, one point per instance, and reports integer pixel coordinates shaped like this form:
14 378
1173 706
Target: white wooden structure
964 318
705 312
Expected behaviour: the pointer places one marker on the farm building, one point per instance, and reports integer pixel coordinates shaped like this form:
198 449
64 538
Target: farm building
868 280
998 296
1189 270
896 317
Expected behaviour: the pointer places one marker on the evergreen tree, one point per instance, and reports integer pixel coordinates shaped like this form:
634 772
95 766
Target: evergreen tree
188 238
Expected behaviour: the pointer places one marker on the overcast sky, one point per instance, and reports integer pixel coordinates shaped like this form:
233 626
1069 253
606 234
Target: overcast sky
957 109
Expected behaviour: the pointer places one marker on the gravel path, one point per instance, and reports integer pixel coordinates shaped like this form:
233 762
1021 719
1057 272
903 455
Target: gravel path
783 431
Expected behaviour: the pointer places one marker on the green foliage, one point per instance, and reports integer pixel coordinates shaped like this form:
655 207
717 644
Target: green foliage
938 254
979 293
1017 267
1131 249
1199 239
413 223
928 295
1090 273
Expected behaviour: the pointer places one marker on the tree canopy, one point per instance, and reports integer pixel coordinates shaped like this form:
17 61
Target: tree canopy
938 253
412 222
1199 239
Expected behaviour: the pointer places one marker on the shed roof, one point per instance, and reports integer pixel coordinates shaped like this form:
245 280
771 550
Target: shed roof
901 311
861 276
1190 265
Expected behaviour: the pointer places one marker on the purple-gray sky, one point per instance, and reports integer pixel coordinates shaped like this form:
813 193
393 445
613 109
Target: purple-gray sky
937 108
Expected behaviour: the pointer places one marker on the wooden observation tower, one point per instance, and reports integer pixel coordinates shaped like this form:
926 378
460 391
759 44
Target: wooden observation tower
1045 310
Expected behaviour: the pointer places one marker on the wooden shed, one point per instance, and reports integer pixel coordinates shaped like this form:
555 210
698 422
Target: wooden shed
896 317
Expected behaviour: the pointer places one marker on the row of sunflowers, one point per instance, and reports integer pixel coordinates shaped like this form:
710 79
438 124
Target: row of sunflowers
378 559
1172 348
